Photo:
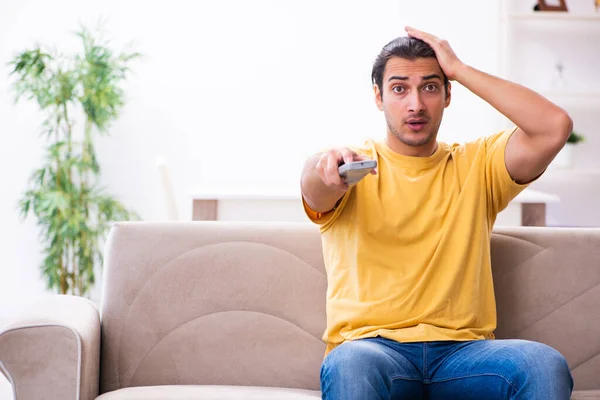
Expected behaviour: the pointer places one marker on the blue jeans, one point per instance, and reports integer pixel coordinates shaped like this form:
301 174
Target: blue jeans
378 368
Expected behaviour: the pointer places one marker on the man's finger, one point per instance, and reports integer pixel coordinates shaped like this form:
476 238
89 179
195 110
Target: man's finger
321 169
418 32
360 157
332 169
413 32
348 155
424 36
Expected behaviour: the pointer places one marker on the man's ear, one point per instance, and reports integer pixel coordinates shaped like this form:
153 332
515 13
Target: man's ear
448 94
378 99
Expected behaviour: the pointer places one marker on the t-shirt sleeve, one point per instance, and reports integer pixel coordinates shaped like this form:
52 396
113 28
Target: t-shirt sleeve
326 219
501 187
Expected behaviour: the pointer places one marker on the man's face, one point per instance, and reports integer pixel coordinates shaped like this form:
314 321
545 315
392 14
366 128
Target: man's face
413 99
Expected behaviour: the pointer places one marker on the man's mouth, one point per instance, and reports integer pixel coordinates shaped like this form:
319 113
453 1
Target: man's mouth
416 124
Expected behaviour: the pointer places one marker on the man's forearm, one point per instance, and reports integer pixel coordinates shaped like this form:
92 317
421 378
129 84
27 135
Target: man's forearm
318 196
530 111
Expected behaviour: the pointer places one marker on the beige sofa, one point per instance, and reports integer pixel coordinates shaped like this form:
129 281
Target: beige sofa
216 310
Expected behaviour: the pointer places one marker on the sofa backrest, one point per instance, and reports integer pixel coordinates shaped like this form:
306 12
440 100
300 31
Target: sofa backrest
212 303
547 283
223 303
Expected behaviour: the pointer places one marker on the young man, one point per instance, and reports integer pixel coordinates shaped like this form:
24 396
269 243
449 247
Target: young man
410 299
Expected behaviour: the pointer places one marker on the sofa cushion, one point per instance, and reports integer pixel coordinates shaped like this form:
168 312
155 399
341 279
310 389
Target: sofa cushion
586 395
244 393
200 392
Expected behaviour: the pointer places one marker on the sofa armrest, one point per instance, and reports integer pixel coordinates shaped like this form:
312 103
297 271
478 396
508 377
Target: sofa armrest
53 351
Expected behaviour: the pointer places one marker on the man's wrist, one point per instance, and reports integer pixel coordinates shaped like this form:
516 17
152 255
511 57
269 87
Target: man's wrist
461 73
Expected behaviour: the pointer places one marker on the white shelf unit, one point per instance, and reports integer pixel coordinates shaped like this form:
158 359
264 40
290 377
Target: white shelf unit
532 45
574 100
567 94
555 15
556 54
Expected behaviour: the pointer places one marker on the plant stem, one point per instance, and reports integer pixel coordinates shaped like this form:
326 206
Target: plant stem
72 260
63 276
69 130
62 268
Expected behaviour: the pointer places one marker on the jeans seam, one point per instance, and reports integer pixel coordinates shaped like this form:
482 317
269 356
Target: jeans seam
403 377
425 362
475 375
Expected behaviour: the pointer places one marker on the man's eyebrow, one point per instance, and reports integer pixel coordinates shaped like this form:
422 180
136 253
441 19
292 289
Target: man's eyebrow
402 78
405 78
432 76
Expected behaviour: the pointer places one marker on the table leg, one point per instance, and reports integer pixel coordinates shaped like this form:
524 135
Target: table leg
533 214
204 210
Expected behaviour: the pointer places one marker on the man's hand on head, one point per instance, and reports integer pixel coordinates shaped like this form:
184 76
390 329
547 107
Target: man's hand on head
542 126
446 57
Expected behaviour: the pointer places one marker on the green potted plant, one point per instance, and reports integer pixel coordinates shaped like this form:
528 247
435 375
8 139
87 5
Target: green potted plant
564 159
72 211
575 138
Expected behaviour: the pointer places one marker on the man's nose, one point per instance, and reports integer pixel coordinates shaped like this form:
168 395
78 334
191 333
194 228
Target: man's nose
415 103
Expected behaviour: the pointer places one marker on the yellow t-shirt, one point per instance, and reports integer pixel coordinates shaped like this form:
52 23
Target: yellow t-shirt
407 251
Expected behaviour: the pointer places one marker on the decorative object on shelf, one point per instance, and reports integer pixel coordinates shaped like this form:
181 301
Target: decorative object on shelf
597 4
72 211
551 5
564 159
559 81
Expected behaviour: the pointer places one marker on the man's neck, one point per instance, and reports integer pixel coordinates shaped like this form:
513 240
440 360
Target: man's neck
412 151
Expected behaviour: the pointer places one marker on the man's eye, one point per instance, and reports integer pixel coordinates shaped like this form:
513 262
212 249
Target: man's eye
398 89
430 88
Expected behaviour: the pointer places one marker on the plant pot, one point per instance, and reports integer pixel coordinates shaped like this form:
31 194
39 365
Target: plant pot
564 158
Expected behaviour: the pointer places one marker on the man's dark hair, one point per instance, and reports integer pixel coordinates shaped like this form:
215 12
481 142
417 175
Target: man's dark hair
405 47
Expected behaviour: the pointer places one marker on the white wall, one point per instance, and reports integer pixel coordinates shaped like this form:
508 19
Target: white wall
231 92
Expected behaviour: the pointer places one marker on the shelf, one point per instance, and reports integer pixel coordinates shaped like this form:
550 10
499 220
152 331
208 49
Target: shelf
575 171
561 93
529 195
571 175
577 99
555 15
241 193
574 100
